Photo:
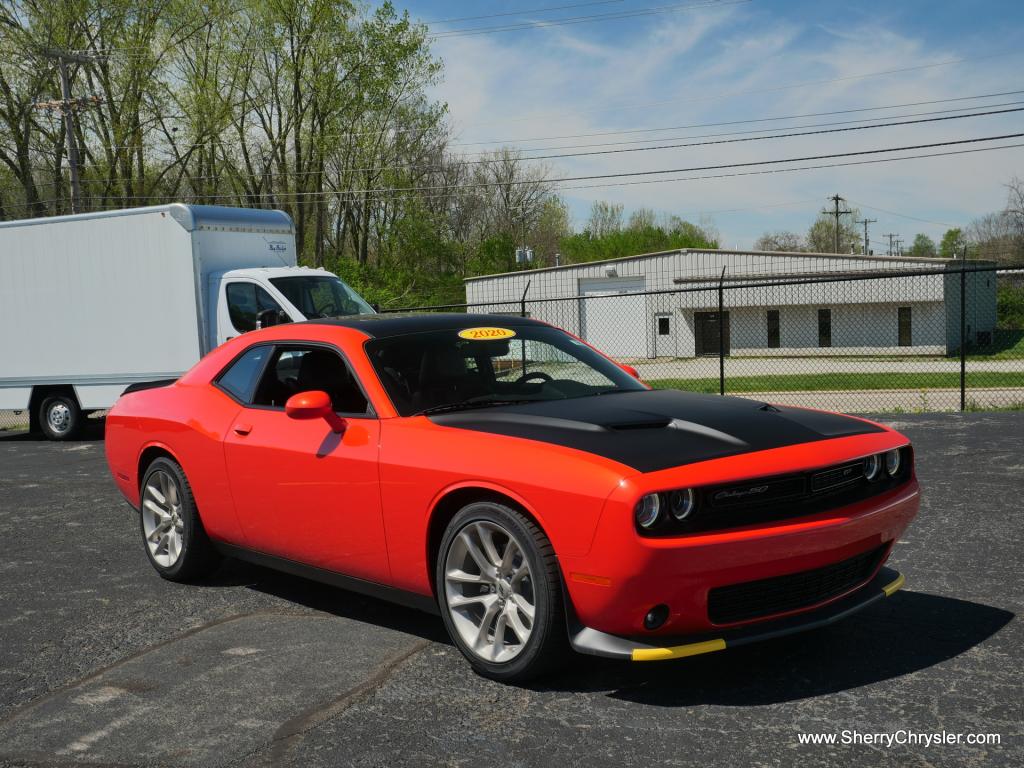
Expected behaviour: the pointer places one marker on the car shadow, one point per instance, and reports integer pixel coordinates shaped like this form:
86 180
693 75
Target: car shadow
328 599
906 633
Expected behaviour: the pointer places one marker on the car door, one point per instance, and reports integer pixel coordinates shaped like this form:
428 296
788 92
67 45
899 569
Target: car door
302 491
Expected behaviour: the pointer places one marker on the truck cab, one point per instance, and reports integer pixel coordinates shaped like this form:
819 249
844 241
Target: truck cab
243 300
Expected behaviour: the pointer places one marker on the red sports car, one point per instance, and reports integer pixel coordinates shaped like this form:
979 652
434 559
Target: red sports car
502 472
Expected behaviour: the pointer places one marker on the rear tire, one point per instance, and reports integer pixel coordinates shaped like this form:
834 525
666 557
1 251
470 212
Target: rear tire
59 417
500 593
172 532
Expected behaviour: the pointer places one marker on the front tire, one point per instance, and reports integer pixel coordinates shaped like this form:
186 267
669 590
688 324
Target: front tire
500 593
59 417
176 542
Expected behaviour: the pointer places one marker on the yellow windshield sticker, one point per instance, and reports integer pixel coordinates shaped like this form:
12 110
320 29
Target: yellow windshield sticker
486 334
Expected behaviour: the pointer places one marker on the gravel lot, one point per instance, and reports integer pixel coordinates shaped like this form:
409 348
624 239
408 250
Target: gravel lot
102 662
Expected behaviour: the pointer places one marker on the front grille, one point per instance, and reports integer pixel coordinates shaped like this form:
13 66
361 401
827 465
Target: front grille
754 599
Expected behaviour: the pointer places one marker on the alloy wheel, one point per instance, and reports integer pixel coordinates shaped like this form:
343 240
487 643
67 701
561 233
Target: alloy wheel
163 525
489 591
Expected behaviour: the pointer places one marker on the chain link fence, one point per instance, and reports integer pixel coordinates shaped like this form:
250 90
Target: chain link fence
944 338
13 421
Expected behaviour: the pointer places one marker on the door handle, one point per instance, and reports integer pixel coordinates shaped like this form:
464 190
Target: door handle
242 429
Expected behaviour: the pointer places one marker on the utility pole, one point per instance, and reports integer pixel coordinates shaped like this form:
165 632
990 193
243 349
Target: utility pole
899 246
892 239
67 106
837 213
865 221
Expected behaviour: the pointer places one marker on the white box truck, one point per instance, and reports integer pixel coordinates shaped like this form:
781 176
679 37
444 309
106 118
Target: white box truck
92 303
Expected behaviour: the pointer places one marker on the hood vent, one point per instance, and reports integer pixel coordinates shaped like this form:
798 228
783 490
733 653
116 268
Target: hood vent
653 423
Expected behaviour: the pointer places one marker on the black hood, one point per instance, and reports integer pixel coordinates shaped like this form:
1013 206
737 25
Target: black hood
658 429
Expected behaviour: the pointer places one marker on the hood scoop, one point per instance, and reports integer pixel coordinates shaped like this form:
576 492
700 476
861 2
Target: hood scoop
655 422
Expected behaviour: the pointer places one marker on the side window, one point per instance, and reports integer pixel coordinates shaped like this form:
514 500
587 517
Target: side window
240 378
301 369
245 302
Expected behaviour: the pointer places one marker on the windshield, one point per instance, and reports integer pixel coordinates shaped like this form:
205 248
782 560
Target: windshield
451 370
321 296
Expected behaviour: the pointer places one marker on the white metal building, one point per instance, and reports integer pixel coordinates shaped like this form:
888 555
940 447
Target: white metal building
666 304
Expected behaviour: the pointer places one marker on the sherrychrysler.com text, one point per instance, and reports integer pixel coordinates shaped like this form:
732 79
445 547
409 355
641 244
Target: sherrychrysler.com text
900 737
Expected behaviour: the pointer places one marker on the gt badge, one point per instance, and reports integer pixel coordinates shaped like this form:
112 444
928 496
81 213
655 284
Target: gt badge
486 334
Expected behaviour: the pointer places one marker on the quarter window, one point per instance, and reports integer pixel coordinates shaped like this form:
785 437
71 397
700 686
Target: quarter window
245 302
240 379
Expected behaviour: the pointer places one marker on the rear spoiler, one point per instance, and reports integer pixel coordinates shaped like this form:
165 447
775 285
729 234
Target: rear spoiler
141 385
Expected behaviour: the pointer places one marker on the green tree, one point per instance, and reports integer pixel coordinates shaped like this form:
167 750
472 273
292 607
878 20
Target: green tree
821 236
952 244
779 241
923 247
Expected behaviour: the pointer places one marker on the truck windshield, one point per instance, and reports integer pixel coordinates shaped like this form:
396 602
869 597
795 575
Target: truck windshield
321 296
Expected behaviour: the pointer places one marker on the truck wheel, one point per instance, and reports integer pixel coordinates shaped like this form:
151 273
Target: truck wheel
500 593
60 418
176 542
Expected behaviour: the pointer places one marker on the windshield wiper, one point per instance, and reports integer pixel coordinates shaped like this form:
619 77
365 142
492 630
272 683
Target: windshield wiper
468 405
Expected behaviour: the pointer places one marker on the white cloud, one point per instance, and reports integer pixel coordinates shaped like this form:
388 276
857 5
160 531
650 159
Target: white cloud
733 64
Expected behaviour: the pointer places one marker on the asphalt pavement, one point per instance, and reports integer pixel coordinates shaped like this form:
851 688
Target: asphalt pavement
104 663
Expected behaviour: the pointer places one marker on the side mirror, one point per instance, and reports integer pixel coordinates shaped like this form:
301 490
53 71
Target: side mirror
314 405
630 370
269 317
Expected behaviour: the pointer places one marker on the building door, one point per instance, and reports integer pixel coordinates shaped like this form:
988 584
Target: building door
664 336
905 327
611 320
824 327
706 329
773 329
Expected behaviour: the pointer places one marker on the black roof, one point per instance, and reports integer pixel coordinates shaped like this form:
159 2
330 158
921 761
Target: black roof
383 325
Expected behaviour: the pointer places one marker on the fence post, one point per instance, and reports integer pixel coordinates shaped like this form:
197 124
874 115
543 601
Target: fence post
721 333
963 331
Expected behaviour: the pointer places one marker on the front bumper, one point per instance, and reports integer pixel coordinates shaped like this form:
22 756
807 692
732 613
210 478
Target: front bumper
624 575
590 641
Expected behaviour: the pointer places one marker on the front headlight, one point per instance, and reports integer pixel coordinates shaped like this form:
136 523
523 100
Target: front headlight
872 467
648 510
682 503
892 462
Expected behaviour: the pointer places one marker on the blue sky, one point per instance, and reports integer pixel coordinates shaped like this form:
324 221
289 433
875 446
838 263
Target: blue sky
743 61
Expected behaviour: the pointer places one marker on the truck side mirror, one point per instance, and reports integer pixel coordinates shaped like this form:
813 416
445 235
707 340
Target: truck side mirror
269 317
314 404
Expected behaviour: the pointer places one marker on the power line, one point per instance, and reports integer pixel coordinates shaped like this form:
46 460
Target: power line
741 122
493 160
753 91
800 168
520 182
904 215
216 142
761 138
401 194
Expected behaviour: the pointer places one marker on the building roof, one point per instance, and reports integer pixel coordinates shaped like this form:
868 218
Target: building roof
787 254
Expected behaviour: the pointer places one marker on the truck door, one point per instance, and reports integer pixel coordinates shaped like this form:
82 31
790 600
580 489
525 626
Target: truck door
239 305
